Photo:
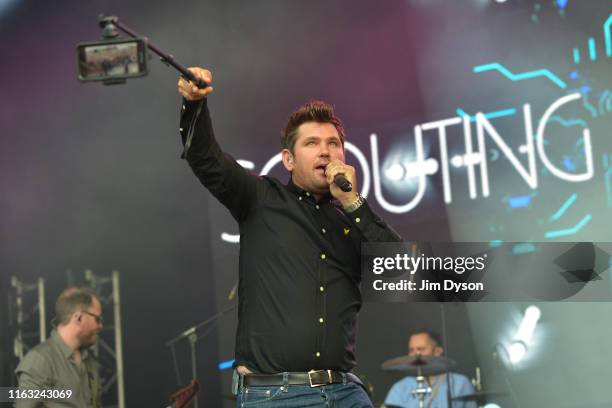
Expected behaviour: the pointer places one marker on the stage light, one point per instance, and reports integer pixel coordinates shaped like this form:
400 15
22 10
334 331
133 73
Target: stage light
224 365
528 324
517 349
395 172
231 238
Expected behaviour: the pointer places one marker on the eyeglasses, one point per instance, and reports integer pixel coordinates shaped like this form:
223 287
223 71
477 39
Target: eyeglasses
95 316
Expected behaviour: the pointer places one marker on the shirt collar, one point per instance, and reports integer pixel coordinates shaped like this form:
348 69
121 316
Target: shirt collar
297 190
66 351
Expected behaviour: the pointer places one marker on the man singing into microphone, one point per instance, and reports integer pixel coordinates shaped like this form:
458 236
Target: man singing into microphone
300 245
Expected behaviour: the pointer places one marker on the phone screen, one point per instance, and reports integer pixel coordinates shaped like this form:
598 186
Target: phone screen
100 61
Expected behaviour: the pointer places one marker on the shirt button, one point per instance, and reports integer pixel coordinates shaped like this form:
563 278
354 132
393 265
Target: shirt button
357 219
183 107
323 256
300 198
321 288
308 194
321 320
323 230
181 130
318 354
317 206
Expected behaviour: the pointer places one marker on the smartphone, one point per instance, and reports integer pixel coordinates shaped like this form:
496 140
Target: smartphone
112 60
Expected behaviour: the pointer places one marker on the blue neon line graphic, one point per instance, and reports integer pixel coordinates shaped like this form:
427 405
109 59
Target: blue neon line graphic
588 106
573 90
592 53
568 203
523 248
608 180
519 77
608 36
490 115
562 3
570 231
226 364
520 201
567 122
602 99
495 243
576 56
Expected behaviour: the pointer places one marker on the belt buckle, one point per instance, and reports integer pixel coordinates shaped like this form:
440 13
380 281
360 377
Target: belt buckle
329 375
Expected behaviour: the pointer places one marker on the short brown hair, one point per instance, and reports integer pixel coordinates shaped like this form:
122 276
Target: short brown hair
71 300
313 111
433 336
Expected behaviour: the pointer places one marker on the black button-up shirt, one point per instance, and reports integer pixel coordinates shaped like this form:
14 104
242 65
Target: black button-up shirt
299 260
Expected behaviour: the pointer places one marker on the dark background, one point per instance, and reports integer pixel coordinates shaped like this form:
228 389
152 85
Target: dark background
90 176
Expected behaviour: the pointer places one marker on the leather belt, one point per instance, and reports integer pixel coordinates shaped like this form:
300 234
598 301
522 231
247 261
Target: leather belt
314 378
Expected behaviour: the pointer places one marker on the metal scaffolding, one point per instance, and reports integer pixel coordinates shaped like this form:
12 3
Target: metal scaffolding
23 312
110 302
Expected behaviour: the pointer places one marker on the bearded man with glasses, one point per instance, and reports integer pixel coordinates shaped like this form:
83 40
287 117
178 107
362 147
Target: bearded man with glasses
64 361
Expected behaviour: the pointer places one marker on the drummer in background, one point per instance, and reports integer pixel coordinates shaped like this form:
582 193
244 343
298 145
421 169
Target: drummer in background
427 343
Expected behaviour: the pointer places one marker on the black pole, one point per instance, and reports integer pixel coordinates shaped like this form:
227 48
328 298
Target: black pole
110 23
449 399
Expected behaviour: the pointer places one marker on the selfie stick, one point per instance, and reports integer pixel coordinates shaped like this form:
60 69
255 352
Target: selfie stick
110 24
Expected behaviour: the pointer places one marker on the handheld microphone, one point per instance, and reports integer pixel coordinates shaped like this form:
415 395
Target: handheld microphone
343 183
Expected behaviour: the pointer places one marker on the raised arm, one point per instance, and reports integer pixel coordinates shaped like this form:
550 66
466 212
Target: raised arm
229 182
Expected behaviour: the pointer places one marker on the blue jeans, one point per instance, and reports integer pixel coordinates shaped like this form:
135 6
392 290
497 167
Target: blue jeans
349 395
